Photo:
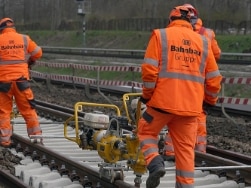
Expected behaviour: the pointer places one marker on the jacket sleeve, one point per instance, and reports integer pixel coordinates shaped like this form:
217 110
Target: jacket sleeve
212 80
150 66
34 50
215 47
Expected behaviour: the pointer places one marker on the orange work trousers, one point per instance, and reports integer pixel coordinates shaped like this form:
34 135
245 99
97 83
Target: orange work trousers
22 94
201 140
183 131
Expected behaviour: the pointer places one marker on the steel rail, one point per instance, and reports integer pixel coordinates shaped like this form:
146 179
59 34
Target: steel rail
245 159
9 180
226 58
214 159
81 170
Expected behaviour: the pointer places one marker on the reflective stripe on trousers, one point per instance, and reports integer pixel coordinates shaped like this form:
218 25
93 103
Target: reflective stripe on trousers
22 100
183 131
169 151
5 135
201 140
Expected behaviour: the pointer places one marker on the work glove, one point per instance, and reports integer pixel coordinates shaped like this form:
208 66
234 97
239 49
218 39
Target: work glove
206 107
31 63
143 100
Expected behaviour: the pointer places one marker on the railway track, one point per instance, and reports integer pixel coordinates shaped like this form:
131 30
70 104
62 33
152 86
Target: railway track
62 163
226 58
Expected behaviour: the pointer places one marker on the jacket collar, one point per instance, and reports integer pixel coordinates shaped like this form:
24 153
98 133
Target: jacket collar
180 23
6 30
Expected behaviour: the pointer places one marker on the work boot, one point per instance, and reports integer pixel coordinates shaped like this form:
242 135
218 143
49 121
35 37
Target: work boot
9 145
156 170
37 141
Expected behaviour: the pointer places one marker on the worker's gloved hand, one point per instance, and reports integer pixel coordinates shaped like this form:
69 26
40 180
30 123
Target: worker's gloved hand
206 107
143 100
31 63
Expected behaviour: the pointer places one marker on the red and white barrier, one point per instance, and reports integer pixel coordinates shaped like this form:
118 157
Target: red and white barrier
120 68
90 67
232 100
81 80
236 80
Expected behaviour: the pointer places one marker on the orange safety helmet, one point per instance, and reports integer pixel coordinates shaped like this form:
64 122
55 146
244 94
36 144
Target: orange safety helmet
191 8
180 12
6 22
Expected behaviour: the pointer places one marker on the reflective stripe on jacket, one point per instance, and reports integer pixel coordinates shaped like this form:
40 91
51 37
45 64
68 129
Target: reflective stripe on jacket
179 62
15 50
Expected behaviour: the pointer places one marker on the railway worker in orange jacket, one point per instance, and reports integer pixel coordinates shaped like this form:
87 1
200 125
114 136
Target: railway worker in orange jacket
179 72
199 28
17 53
201 141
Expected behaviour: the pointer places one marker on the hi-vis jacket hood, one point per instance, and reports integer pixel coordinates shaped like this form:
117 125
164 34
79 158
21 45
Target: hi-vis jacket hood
179 70
180 23
8 30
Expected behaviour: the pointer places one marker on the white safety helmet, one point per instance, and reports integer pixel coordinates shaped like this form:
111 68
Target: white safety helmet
193 11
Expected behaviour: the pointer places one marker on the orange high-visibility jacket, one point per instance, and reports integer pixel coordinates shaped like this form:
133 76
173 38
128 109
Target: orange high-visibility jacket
178 68
15 50
198 27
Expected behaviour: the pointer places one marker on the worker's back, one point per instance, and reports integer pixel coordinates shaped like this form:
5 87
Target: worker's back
184 63
12 53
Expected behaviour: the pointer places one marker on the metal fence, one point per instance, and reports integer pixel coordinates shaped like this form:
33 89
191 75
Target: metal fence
226 58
